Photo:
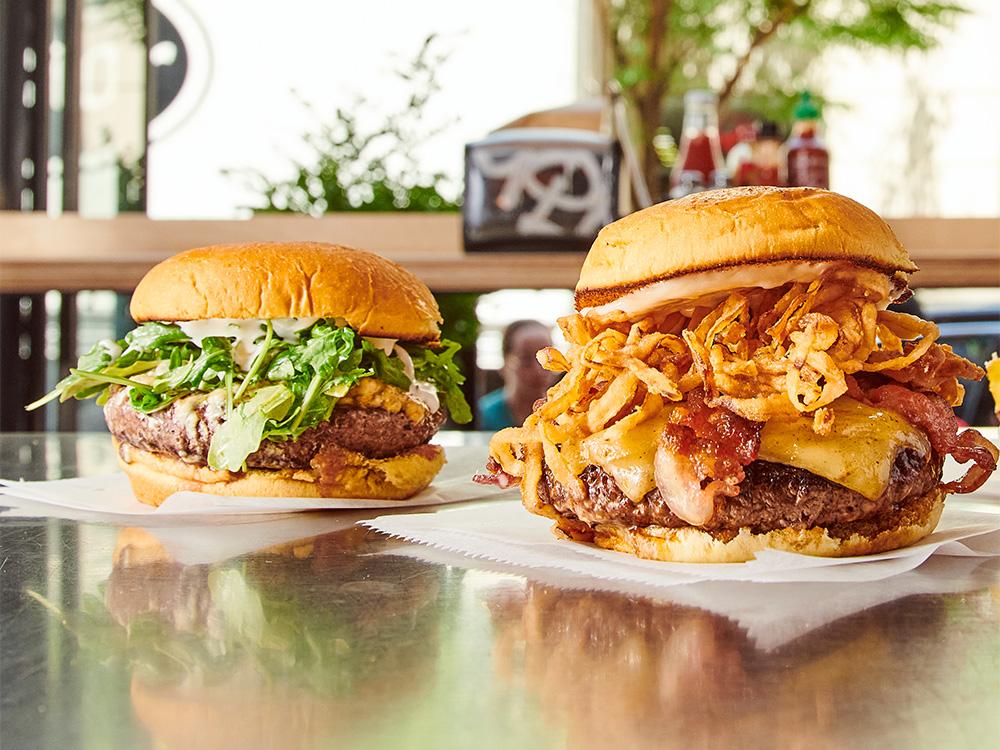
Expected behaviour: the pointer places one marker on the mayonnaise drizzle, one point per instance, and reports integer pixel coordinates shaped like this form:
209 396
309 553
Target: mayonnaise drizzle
244 332
385 345
420 390
660 293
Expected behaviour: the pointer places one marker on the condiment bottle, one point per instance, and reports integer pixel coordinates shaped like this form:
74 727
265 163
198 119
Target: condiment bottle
699 165
807 162
763 167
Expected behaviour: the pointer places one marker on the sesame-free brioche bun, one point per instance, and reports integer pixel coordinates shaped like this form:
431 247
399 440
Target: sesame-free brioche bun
267 280
913 522
720 229
155 477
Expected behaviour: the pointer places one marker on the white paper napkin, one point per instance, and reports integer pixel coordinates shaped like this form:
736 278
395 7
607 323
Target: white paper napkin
504 532
111 495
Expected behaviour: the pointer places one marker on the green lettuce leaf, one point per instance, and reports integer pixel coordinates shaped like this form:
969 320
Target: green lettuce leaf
439 367
387 369
291 386
152 336
242 432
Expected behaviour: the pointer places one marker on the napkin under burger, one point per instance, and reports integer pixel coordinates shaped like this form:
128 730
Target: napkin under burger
735 382
276 369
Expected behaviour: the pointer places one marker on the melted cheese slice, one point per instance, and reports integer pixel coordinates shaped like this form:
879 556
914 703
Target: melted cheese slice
857 454
625 451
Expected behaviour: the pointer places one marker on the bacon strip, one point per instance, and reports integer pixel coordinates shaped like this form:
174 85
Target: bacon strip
496 476
701 457
935 417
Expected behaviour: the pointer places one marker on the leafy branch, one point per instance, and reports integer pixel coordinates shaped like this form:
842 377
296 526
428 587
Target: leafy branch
353 167
755 52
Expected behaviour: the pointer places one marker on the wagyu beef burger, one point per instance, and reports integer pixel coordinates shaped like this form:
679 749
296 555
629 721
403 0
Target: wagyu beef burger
276 369
735 382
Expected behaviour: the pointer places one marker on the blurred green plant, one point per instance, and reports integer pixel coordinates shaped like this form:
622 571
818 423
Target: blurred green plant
131 181
755 53
358 167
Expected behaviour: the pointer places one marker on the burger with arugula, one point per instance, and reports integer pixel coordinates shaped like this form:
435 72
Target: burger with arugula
276 369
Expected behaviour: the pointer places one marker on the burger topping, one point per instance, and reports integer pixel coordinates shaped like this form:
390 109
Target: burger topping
785 357
772 496
681 291
277 384
245 334
700 457
185 430
937 419
858 451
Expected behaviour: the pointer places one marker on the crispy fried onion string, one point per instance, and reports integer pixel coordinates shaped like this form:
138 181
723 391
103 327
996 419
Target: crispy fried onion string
759 353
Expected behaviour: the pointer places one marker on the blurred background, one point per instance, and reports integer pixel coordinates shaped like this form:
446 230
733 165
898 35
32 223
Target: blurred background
481 145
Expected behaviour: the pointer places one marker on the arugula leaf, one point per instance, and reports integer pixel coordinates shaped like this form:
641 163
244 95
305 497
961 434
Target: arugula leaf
439 368
387 369
258 361
216 353
311 374
325 349
241 434
151 336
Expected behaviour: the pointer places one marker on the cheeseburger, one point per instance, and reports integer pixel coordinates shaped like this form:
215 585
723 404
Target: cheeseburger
735 382
301 370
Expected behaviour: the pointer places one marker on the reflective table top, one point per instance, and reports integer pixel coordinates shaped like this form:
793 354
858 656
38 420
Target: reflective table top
309 631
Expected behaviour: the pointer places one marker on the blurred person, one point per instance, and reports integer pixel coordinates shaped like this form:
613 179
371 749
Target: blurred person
524 380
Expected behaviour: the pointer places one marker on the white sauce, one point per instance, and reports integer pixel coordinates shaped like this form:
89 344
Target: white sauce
426 394
287 329
764 276
385 345
244 333
404 357
112 348
420 390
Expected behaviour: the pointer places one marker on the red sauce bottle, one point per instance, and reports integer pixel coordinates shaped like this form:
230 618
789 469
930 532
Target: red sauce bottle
807 161
699 165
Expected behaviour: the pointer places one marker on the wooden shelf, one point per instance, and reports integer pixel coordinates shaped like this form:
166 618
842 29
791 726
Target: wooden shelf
69 253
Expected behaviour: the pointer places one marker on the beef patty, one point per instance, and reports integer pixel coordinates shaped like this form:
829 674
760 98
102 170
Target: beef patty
184 429
772 496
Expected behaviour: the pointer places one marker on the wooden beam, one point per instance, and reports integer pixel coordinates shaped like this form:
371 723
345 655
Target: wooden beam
70 253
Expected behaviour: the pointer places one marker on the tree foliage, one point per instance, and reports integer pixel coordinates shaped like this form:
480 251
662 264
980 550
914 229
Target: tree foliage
755 53
353 166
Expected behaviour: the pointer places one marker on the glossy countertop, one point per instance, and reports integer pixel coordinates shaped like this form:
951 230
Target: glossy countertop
309 631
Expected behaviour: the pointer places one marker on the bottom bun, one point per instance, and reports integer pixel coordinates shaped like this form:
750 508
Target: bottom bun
689 544
155 477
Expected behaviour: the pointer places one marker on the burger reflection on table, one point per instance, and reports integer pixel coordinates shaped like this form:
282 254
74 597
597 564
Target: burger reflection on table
622 671
293 646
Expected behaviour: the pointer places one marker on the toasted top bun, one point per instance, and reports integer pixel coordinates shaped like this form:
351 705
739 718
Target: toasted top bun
724 228
270 280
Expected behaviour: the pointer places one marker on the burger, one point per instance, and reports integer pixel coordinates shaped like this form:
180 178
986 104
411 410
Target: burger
276 369
736 382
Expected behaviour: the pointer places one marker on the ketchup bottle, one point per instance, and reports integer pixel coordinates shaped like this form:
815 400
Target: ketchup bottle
699 165
807 162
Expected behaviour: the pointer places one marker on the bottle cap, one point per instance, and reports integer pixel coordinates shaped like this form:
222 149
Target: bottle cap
806 109
768 129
